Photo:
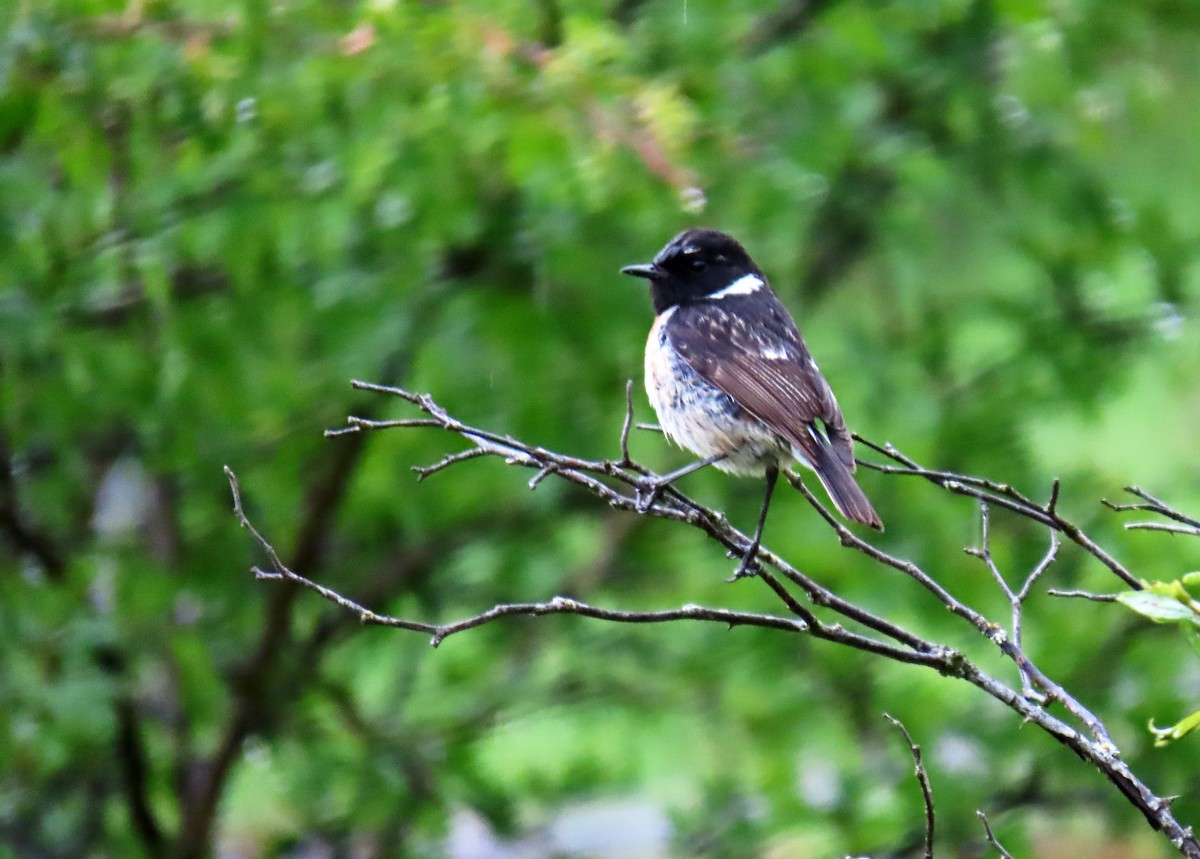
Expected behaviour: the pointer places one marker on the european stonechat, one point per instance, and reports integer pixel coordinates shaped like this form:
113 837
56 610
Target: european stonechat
731 380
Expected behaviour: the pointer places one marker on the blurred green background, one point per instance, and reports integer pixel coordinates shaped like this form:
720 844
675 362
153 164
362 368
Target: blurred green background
214 214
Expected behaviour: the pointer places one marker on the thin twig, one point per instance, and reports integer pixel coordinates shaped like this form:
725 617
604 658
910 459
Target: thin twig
853 541
987 829
247 707
671 504
805 622
449 459
1016 599
371 424
1152 505
1190 530
622 483
542 474
922 780
1052 504
564 605
1087 595
1001 495
910 466
334 433
557 605
439 632
625 460
245 522
1040 568
991 631
925 653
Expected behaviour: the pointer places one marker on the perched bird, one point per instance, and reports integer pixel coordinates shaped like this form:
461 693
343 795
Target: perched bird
731 380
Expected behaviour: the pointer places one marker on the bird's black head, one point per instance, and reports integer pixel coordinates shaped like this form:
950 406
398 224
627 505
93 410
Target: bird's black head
695 265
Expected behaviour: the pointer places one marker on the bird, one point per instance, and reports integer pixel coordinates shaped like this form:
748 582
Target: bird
731 380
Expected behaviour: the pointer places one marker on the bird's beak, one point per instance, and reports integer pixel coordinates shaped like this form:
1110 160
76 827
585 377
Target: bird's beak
647 270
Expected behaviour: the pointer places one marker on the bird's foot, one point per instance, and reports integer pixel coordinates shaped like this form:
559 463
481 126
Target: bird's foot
749 565
649 492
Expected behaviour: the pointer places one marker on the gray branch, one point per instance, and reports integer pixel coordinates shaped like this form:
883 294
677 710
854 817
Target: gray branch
987 830
622 483
922 780
1149 504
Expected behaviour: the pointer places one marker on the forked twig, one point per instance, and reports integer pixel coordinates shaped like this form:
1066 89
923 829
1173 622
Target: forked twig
622 483
1180 522
1001 495
993 632
922 780
1016 599
557 605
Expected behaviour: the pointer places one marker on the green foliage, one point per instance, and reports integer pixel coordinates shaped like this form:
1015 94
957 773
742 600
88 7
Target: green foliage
214 214
1170 602
1166 602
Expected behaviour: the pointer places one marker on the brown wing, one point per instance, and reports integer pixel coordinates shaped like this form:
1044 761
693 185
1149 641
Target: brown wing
748 346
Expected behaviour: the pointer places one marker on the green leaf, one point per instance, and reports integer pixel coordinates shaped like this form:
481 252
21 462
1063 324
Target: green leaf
1164 736
1158 607
1175 590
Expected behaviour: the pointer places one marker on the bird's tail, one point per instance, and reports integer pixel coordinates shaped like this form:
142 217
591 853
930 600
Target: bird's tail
850 501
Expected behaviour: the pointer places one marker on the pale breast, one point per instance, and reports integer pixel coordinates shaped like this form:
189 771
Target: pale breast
701 418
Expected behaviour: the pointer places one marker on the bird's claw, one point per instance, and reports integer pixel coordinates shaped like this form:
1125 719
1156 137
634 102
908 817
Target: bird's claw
749 565
647 497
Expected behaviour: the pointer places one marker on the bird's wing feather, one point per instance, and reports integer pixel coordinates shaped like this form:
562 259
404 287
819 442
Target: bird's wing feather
764 366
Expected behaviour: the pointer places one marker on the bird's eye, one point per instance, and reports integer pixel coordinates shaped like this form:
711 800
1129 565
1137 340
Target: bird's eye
699 264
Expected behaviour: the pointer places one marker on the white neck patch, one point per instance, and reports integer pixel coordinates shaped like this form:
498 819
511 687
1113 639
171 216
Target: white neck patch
744 285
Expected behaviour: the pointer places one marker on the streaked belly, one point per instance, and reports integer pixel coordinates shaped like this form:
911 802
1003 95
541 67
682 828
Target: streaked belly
703 419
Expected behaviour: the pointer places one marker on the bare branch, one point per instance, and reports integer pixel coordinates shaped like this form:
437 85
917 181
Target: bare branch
625 460
424 471
911 467
1041 567
1016 599
925 653
635 482
623 485
805 622
1001 495
1152 504
564 605
357 423
922 780
542 474
245 522
200 795
557 605
439 632
1011 646
987 829
993 632
1087 595
1052 504
851 540
1190 530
